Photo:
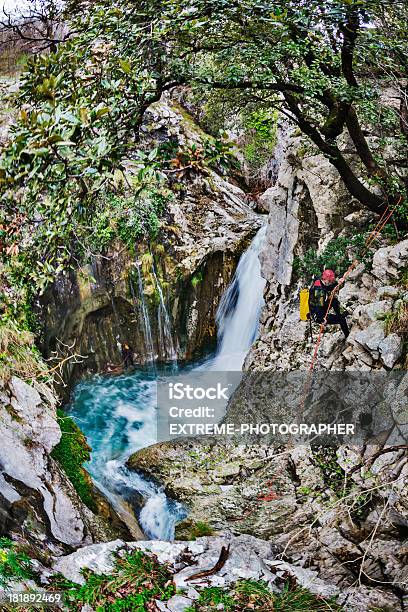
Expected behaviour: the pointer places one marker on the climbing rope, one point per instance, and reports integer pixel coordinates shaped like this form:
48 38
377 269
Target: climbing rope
385 217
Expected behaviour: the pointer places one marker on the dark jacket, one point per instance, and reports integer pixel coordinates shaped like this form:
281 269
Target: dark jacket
319 296
127 356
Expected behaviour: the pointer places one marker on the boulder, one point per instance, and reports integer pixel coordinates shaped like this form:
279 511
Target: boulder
388 291
371 337
388 261
37 498
371 312
390 349
97 557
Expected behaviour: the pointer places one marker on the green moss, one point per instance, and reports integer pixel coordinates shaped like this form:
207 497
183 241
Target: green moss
13 413
200 529
135 583
197 279
71 453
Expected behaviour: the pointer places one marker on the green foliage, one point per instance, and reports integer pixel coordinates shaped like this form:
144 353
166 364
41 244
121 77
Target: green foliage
200 529
211 597
197 279
129 218
402 280
14 565
72 452
255 595
337 256
333 474
135 583
18 355
396 321
80 111
260 136
77 136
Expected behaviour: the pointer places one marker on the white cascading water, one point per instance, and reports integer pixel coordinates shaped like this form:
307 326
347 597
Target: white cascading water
118 414
147 331
239 310
164 324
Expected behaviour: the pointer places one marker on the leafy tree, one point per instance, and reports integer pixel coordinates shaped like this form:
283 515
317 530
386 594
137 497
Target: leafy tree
34 27
80 112
324 64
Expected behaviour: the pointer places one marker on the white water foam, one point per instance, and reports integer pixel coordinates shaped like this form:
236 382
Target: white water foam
239 310
118 414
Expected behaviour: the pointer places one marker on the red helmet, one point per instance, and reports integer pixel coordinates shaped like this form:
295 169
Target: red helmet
329 276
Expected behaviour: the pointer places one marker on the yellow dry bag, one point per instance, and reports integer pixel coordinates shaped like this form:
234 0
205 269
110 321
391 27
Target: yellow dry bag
304 304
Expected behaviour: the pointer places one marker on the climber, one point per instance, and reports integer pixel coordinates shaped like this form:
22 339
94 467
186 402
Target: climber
127 356
319 295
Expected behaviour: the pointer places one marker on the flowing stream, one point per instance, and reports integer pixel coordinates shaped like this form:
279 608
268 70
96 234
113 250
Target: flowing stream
118 413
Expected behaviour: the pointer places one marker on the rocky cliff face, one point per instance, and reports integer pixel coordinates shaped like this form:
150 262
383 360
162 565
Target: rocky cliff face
38 503
342 511
308 206
318 507
206 227
249 558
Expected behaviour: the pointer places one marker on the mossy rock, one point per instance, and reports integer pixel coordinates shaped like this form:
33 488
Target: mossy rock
71 453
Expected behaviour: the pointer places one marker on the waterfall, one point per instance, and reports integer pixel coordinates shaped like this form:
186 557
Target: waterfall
118 413
239 309
164 323
147 330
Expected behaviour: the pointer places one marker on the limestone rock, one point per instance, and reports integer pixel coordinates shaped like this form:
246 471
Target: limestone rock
371 311
371 337
388 291
306 578
36 496
390 350
365 599
97 557
388 261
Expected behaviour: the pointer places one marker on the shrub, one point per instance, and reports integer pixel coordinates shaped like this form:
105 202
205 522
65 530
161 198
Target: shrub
396 321
130 218
18 355
14 565
337 256
135 583
71 453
